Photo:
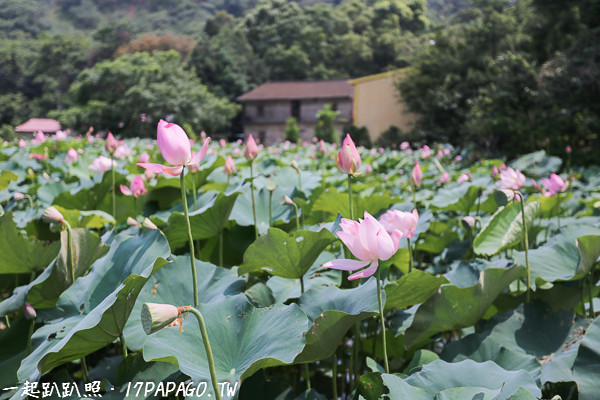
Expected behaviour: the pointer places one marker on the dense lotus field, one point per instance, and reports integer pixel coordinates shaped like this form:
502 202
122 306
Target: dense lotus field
98 292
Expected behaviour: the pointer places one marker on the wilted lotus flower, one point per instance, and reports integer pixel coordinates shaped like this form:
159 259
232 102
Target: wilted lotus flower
229 165
111 143
144 157
29 312
348 159
102 164
368 241
72 155
51 214
136 189
122 151
251 150
175 148
401 221
416 176
512 179
554 185
157 316
445 178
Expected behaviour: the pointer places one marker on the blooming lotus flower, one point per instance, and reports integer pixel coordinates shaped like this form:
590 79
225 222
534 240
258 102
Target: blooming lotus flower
251 150
144 157
122 151
102 164
111 143
22 143
39 138
512 179
348 159
59 136
404 146
445 178
426 152
368 241
229 165
464 178
175 148
554 185
416 176
72 155
136 189
401 221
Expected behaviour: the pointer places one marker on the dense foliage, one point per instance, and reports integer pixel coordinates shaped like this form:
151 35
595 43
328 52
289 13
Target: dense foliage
459 324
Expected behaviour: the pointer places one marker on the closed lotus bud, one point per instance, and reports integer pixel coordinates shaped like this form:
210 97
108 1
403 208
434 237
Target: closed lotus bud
132 222
251 150
295 166
51 214
29 312
348 159
18 196
157 316
416 177
111 143
229 165
149 224
289 201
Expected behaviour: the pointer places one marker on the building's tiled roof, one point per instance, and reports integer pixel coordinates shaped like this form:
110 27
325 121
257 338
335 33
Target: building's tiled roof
39 124
298 90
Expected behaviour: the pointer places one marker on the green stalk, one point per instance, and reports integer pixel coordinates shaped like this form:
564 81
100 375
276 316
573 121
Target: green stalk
350 194
558 210
70 261
194 193
410 256
526 238
191 240
114 197
379 299
334 377
414 195
270 208
253 201
209 354
297 217
592 313
306 371
31 328
84 370
123 345
7 321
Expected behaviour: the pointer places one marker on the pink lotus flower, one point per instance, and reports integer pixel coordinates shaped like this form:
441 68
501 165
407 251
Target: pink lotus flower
554 185
495 171
404 146
29 312
38 156
72 155
19 196
368 168
51 214
229 165
368 241
466 177
102 164
175 148
122 151
321 148
445 178
136 189
39 138
440 153
144 158
111 143
251 150
401 221
568 149
222 143
426 152
149 175
512 179
348 159
416 176
59 136
446 152
22 143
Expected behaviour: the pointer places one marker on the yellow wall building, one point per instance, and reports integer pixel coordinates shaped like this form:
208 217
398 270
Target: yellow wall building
377 104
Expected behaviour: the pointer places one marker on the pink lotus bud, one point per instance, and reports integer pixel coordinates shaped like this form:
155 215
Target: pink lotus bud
29 312
222 143
72 155
22 143
132 222
445 178
157 316
465 177
51 214
287 200
348 159
40 137
368 168
404 145
568 149
229 165
123 151
416 176
19 196
149 224
495 171
446 152
295 166
469 220
173 143
144 157
111 143
512 179
321 148
426 152
458 158
440 154
37 156
251 150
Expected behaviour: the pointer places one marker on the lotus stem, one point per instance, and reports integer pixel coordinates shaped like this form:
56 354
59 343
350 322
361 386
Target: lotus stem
380 301
70 260
209 354
194 193
297 217
7 321
558 209
350 196
592 313
526 238
84 370
410 256
306 370
270 208
190 239
123 345
334 377
221 248
253 201
114 197
31 328
414 187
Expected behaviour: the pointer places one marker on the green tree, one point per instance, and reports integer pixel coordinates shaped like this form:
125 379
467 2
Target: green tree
143 89
292 130
325 127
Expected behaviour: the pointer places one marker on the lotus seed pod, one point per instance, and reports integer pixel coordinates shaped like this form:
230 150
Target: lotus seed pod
270 185
156 316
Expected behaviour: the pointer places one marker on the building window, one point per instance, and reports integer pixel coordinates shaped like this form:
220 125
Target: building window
334 106
260 110
295 111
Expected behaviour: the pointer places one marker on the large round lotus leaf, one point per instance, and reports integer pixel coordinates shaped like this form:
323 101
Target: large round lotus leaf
333 202
288 255
587 364
411 289
243 339
495 382
172 284
332 312
93 311
504 229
